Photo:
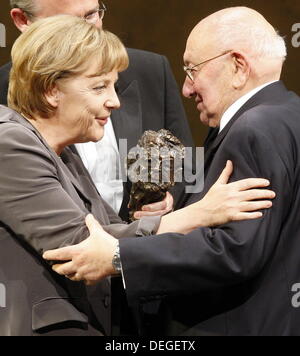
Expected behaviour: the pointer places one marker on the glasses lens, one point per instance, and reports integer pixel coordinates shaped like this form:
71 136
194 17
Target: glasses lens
101 13
188 72
102 10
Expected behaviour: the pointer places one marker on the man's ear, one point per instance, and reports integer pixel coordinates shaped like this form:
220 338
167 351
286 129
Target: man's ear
20 19
53 96
241 70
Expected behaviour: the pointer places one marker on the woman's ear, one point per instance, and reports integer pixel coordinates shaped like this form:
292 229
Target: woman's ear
20 19
53 96
241 70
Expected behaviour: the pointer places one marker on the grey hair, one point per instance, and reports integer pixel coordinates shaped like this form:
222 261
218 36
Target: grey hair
28 6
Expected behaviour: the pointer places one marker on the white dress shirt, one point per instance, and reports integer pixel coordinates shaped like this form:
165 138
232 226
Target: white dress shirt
102 160
235 107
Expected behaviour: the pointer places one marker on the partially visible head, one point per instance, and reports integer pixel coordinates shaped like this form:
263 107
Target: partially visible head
24 12
253 55
61 54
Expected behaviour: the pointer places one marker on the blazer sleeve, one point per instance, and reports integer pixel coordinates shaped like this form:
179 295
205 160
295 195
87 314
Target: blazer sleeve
208 259
119 229
34 205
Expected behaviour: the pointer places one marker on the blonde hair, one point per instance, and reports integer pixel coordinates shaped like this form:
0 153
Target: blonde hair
55 48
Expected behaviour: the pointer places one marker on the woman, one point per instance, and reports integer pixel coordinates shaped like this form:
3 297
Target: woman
61 92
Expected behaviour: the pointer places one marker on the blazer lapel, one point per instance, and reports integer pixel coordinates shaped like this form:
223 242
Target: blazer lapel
272 92
59 162
127 121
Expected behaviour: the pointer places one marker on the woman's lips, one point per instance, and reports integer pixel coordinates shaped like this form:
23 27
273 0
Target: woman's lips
102 120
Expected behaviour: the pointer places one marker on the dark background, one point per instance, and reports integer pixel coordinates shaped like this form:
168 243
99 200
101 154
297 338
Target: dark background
163 26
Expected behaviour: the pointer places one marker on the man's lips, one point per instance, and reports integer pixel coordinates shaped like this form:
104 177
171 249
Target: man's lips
199 101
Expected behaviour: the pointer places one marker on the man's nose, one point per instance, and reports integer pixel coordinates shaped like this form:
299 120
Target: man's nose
188 88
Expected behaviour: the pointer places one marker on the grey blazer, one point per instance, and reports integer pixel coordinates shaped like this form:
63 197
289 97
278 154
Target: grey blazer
150 100
43 203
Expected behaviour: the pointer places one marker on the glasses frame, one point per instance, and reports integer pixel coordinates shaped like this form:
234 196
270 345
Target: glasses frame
189 70
101 12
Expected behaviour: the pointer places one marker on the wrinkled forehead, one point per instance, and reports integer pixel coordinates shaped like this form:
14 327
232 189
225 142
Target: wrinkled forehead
78 8
196 47
201 44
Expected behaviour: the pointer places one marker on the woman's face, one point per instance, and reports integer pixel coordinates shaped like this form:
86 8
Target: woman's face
84 105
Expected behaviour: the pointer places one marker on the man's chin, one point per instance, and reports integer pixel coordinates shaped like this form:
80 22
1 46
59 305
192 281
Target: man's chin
211 122
204 119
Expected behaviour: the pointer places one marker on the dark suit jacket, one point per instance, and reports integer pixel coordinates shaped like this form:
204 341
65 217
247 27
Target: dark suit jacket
238 277
43 205
150 100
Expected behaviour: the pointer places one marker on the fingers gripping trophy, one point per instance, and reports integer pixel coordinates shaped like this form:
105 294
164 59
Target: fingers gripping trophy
154 166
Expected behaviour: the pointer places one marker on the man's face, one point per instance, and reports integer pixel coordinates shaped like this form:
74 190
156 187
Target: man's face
211 84
87 9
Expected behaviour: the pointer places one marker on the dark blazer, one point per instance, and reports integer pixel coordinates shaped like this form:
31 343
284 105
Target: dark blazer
4 77
236 279
150 100
43 203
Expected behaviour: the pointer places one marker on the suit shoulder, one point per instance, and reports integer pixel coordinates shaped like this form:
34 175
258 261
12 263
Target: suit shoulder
269 125
145 65
140 58
273 117
16 136
139 53
5 68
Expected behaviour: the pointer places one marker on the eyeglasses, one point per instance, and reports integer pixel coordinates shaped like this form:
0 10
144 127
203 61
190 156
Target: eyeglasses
94 16
90 18
190 70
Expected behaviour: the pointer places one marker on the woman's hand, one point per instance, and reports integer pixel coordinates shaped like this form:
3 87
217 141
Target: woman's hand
223 203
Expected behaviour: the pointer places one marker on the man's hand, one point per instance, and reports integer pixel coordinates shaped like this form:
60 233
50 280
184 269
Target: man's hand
89 261
156 209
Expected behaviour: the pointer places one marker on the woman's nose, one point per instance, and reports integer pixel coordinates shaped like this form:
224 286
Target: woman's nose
113 102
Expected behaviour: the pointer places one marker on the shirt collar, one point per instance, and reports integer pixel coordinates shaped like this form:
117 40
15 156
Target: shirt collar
235 107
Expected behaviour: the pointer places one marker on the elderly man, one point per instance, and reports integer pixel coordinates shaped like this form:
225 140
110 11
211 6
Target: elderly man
150 101
236 279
